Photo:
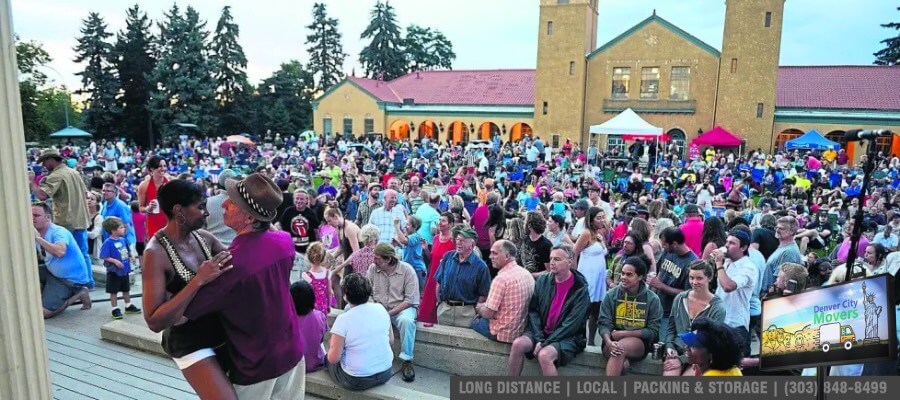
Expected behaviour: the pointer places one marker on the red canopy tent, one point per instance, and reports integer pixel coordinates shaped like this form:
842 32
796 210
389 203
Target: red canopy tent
718 137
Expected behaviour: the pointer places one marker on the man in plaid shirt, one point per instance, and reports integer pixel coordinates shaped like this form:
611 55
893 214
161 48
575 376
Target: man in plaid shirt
502 316
383 217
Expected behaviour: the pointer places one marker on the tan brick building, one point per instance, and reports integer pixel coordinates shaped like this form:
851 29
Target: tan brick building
671 78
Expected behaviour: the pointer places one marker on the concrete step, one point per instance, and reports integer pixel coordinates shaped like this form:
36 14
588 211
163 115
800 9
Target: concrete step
99 272
429 384
462 351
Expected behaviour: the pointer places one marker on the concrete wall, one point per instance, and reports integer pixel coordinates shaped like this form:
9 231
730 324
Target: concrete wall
347 99
654 46
574 35
756 49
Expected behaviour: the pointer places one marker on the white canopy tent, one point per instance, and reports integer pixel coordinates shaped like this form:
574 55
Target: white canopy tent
629 125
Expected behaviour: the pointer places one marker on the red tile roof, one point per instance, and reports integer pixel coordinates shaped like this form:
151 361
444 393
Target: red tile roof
472 87
863 87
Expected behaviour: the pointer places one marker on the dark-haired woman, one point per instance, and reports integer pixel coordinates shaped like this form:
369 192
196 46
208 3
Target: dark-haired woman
630 315
688 306
713 349
178 260
147 193
312 323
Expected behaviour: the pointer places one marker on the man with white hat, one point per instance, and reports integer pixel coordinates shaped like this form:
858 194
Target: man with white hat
253 299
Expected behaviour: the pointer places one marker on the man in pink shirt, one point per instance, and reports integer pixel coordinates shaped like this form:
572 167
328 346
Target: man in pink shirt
693 228
502 316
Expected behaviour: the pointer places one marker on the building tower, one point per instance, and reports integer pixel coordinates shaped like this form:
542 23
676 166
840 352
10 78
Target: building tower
567 33
748 70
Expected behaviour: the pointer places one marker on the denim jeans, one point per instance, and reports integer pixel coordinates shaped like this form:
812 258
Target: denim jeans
405 322
482 326
80 236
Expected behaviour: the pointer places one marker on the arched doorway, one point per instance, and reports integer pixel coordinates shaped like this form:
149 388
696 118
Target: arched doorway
487 131
784 136
428 129
676 143
399 130
519 131
458 132
840 138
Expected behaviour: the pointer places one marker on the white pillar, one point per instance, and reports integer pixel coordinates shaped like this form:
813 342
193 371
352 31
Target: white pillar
24 372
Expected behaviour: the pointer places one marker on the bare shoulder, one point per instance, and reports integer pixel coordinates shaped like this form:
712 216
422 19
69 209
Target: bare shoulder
214 242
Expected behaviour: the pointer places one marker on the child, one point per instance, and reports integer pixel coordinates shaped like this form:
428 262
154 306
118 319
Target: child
319 276
312 325
116 258
140 229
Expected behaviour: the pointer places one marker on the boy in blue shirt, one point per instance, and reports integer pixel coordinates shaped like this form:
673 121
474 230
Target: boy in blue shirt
116 256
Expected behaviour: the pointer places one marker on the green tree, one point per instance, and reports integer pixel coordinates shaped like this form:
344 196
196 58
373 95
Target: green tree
30 56
98 78
230 72
890 55
54 106
427 48
383 58
326 53
289 88
185 87
135 61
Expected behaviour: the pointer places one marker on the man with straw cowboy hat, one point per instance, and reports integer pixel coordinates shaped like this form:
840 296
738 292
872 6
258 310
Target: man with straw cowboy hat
253 297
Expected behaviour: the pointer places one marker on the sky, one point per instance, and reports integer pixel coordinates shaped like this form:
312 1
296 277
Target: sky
486 34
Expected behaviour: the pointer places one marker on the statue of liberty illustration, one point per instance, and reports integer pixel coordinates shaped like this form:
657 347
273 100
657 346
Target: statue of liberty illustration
872 312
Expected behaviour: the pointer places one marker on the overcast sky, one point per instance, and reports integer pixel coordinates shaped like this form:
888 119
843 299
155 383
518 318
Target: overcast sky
486 34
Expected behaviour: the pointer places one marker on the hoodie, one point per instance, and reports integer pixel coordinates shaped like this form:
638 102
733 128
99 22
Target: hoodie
622 311
680 321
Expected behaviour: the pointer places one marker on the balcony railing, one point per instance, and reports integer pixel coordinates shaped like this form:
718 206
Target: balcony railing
662 106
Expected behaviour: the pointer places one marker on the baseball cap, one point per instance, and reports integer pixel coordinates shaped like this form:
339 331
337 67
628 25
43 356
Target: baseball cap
693 339
581 204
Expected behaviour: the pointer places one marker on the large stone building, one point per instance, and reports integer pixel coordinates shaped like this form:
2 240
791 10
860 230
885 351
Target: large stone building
671 78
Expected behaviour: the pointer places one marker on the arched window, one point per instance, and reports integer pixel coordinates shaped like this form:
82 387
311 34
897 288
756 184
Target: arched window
785 136
883 145
326 125
676 139
837 137
616 142
348 125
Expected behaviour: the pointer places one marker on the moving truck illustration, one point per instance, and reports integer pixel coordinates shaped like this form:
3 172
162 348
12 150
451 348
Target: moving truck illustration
835 333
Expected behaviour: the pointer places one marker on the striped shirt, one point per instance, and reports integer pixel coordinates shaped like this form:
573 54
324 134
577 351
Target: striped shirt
510 294
384 220
364 211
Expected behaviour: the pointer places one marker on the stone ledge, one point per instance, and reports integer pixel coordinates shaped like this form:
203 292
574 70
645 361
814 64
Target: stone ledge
139 336
462 351
99 273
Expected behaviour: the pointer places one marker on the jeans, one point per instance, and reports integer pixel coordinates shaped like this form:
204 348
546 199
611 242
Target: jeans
482 326
356 383
745 336
405 322
80 236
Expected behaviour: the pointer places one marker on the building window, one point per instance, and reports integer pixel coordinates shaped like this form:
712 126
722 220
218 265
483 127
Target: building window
650 83
326 125
734 65
555 141
369 124
348 126
621 79
681 83
545 108
549 28
562 1
883 145
571 67
768 19
786 136
759 110
616 144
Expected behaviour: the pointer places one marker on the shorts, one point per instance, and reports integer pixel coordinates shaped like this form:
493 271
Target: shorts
594 309
185 362
139 248
117 284
816 244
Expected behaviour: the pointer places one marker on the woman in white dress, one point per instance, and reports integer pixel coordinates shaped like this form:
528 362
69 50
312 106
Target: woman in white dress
590 249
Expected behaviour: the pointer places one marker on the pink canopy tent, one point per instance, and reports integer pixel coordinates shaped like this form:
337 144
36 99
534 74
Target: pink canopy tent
718 137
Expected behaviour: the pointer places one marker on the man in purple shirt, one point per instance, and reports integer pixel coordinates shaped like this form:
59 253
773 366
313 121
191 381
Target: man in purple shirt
253 298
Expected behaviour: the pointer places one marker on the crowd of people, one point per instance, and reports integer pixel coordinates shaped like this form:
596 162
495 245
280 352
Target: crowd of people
549 249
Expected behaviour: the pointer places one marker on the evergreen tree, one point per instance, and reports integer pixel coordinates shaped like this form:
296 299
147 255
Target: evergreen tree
383 58
135 62
427 48
290 88
98 78
230 72
890 55
326 54
183 75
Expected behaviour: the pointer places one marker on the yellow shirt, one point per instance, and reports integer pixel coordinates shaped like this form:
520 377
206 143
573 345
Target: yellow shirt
734 371
829 155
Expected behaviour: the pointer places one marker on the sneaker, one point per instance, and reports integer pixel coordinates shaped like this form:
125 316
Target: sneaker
132 309
407 371
117 313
